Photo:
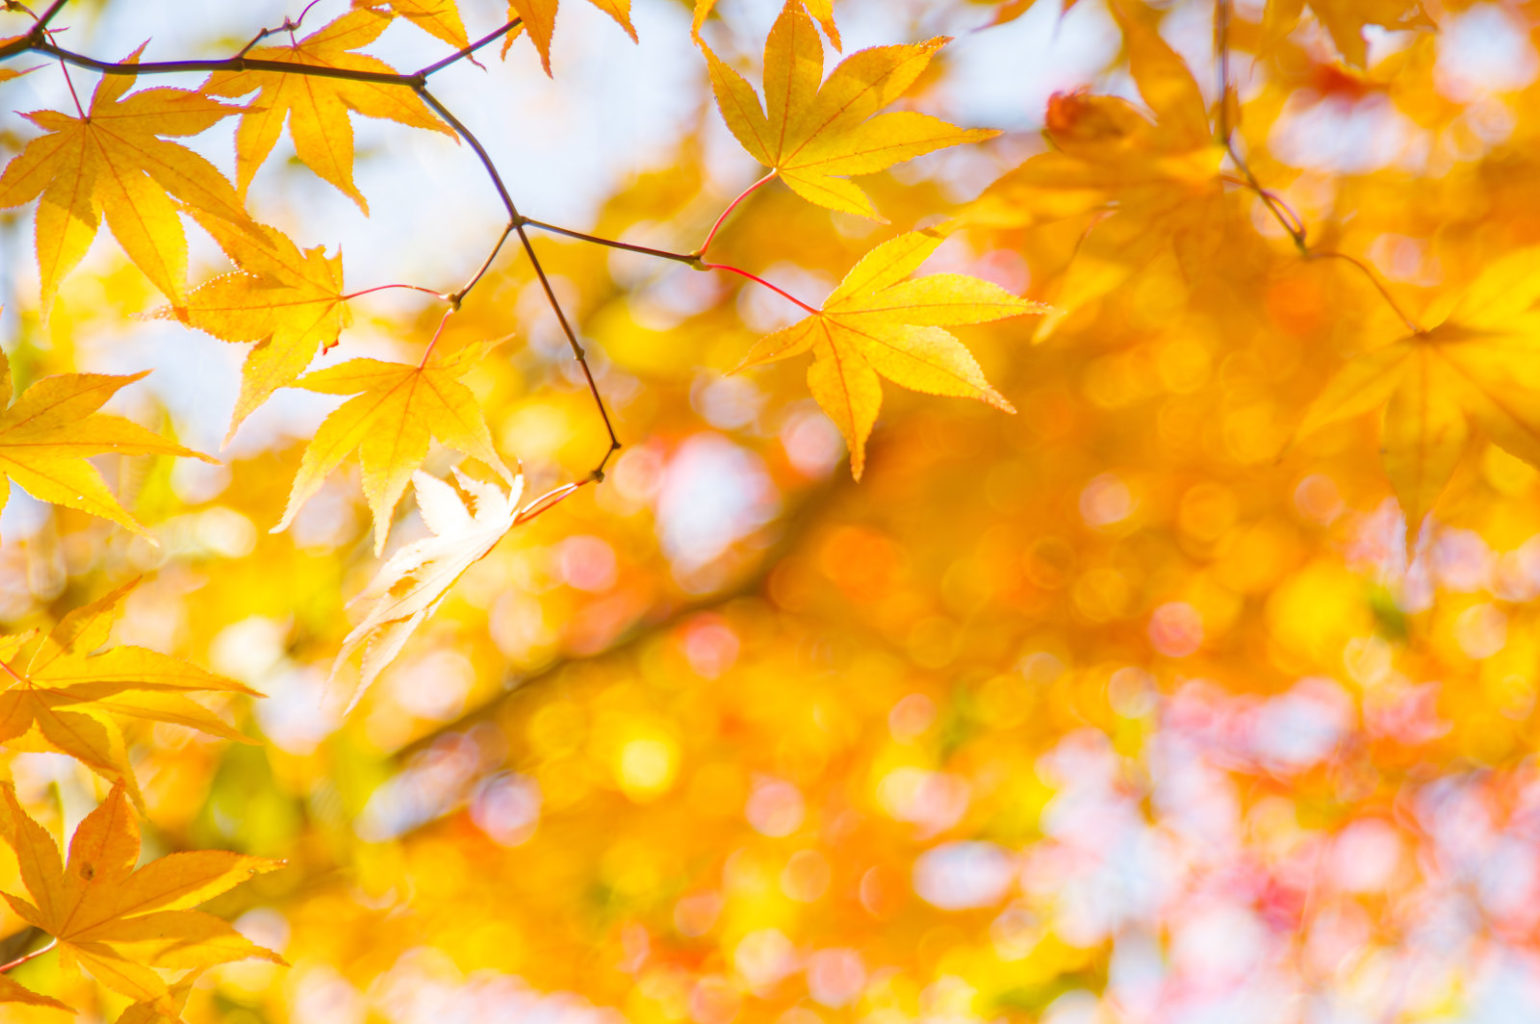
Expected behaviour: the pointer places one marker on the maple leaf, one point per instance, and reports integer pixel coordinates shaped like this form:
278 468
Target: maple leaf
1007 11
163 1009
112 161
1345 20
1143 187
1476 366
539 20
317 108
14 992
876 322
813 135
822 10
47 434
72 698
290 302
119 923
399 408
440 18
409 586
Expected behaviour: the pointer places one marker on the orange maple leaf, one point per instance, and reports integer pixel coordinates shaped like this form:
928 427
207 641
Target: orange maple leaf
399 407
112 161
317 108
814 135
877 323
119 923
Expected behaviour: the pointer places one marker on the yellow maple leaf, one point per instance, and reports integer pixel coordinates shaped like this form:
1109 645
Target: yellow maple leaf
113 162
409 586
70 698
290 302
166 1008
317 108
822 10
48 433
122 924
398 408
813 135
539 20
14 992
877 323
440 18
1479 365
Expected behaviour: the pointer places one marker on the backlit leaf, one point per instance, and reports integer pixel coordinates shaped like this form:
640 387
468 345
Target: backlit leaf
317 109
114 163
815 133
289 302
539 20
398 409
50 431
75 697
878 323
99 907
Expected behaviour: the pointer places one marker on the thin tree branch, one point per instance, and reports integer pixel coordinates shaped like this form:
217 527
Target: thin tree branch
48 15
29 956
1291 223
455 298
721 218
464 52
470 139
173 67
691 259
516 222
577 350
1327 254
37 41
663 254
437 333
783 293
289 25
390 287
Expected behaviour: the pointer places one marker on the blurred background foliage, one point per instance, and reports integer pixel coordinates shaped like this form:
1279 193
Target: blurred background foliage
1126 708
